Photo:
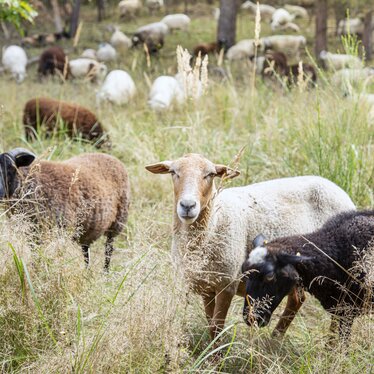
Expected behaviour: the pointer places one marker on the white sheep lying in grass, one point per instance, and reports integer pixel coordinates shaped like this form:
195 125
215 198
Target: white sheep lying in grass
212 229
164 91
177 21
266 11
120 40
118 88
290 45
337 61
86 68
15 61
106 53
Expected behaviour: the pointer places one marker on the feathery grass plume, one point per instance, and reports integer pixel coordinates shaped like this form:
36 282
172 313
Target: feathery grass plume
301 81
257 43
148 57
77 35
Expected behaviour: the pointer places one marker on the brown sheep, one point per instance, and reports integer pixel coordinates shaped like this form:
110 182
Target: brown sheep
89 193
205 49
309 74
78 120
53 60
275 62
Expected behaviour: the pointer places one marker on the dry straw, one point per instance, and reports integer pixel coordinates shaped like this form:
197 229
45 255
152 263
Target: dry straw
257 43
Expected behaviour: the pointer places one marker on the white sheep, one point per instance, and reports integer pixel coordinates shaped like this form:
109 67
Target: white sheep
297 11
353 26
118 88
290 45
87 68
89 53
266 11
120 40
177 21
156 28
337 61
243 49
164 91
212 228
290 26
346 78
106 53
128 8
15 61
154 5
280 18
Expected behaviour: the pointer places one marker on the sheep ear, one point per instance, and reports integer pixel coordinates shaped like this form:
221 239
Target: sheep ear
287 259
160 167
21 157
259 241
225 171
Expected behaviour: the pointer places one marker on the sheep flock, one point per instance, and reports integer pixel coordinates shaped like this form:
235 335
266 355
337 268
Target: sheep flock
173 199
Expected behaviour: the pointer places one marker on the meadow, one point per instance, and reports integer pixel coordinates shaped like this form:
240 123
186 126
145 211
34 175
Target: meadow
58 317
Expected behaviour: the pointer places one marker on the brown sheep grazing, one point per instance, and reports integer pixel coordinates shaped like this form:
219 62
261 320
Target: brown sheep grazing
309 74
53 60
274 62
88 193
205 49
79 121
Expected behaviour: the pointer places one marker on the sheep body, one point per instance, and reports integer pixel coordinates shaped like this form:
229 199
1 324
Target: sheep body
89 193
120 40
243 49
177 21
353 26
15 61
89 53
164 91
118 88
154 5
343 240
297 11
337 61
346 78
290 45
46 111
128 8
87 68
280 18
106 53
205 49
53 60
266 11
152 35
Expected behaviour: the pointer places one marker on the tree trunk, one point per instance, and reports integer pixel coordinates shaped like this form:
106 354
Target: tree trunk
321 27
366 40
227 23
75 18
100 10
57 16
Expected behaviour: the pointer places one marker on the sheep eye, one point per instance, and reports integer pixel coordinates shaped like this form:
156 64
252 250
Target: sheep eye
210 175
269 277
173 173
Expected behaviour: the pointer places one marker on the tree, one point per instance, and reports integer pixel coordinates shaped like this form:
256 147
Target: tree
227 23
100 10
56 16
368 30
75 17
15 12
321 26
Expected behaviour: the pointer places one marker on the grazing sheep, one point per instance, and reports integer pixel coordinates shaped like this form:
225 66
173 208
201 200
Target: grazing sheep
280 18
346 78
205 49
266 11
290 45
152 35
118 88
325 263
290 26
15 61
337 61
297 11
106 53
129 8
154 5
164 91
89 193
294 77
79 121
89 53
177 21
42 40
120 40
212 228
243 49
274 63
87 68
53 60
353 26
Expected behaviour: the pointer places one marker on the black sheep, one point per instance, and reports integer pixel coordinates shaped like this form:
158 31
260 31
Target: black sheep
320 262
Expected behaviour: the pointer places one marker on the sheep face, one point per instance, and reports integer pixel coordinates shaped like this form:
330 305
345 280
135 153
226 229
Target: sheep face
269 278
193 179
9 163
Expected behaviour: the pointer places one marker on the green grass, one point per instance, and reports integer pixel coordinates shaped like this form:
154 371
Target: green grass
57 317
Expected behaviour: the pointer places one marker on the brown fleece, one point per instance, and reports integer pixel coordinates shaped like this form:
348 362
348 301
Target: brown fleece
45 111
53 59
205 49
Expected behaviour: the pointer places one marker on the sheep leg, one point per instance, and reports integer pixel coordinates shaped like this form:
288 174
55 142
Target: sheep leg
209 305
294 302
223 302
86 254
108 252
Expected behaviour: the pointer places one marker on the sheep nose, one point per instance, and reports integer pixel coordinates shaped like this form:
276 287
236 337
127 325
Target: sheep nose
187 205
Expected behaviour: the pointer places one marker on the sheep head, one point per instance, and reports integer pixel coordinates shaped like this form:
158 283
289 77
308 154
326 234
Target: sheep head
9 163
193 179
270 275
